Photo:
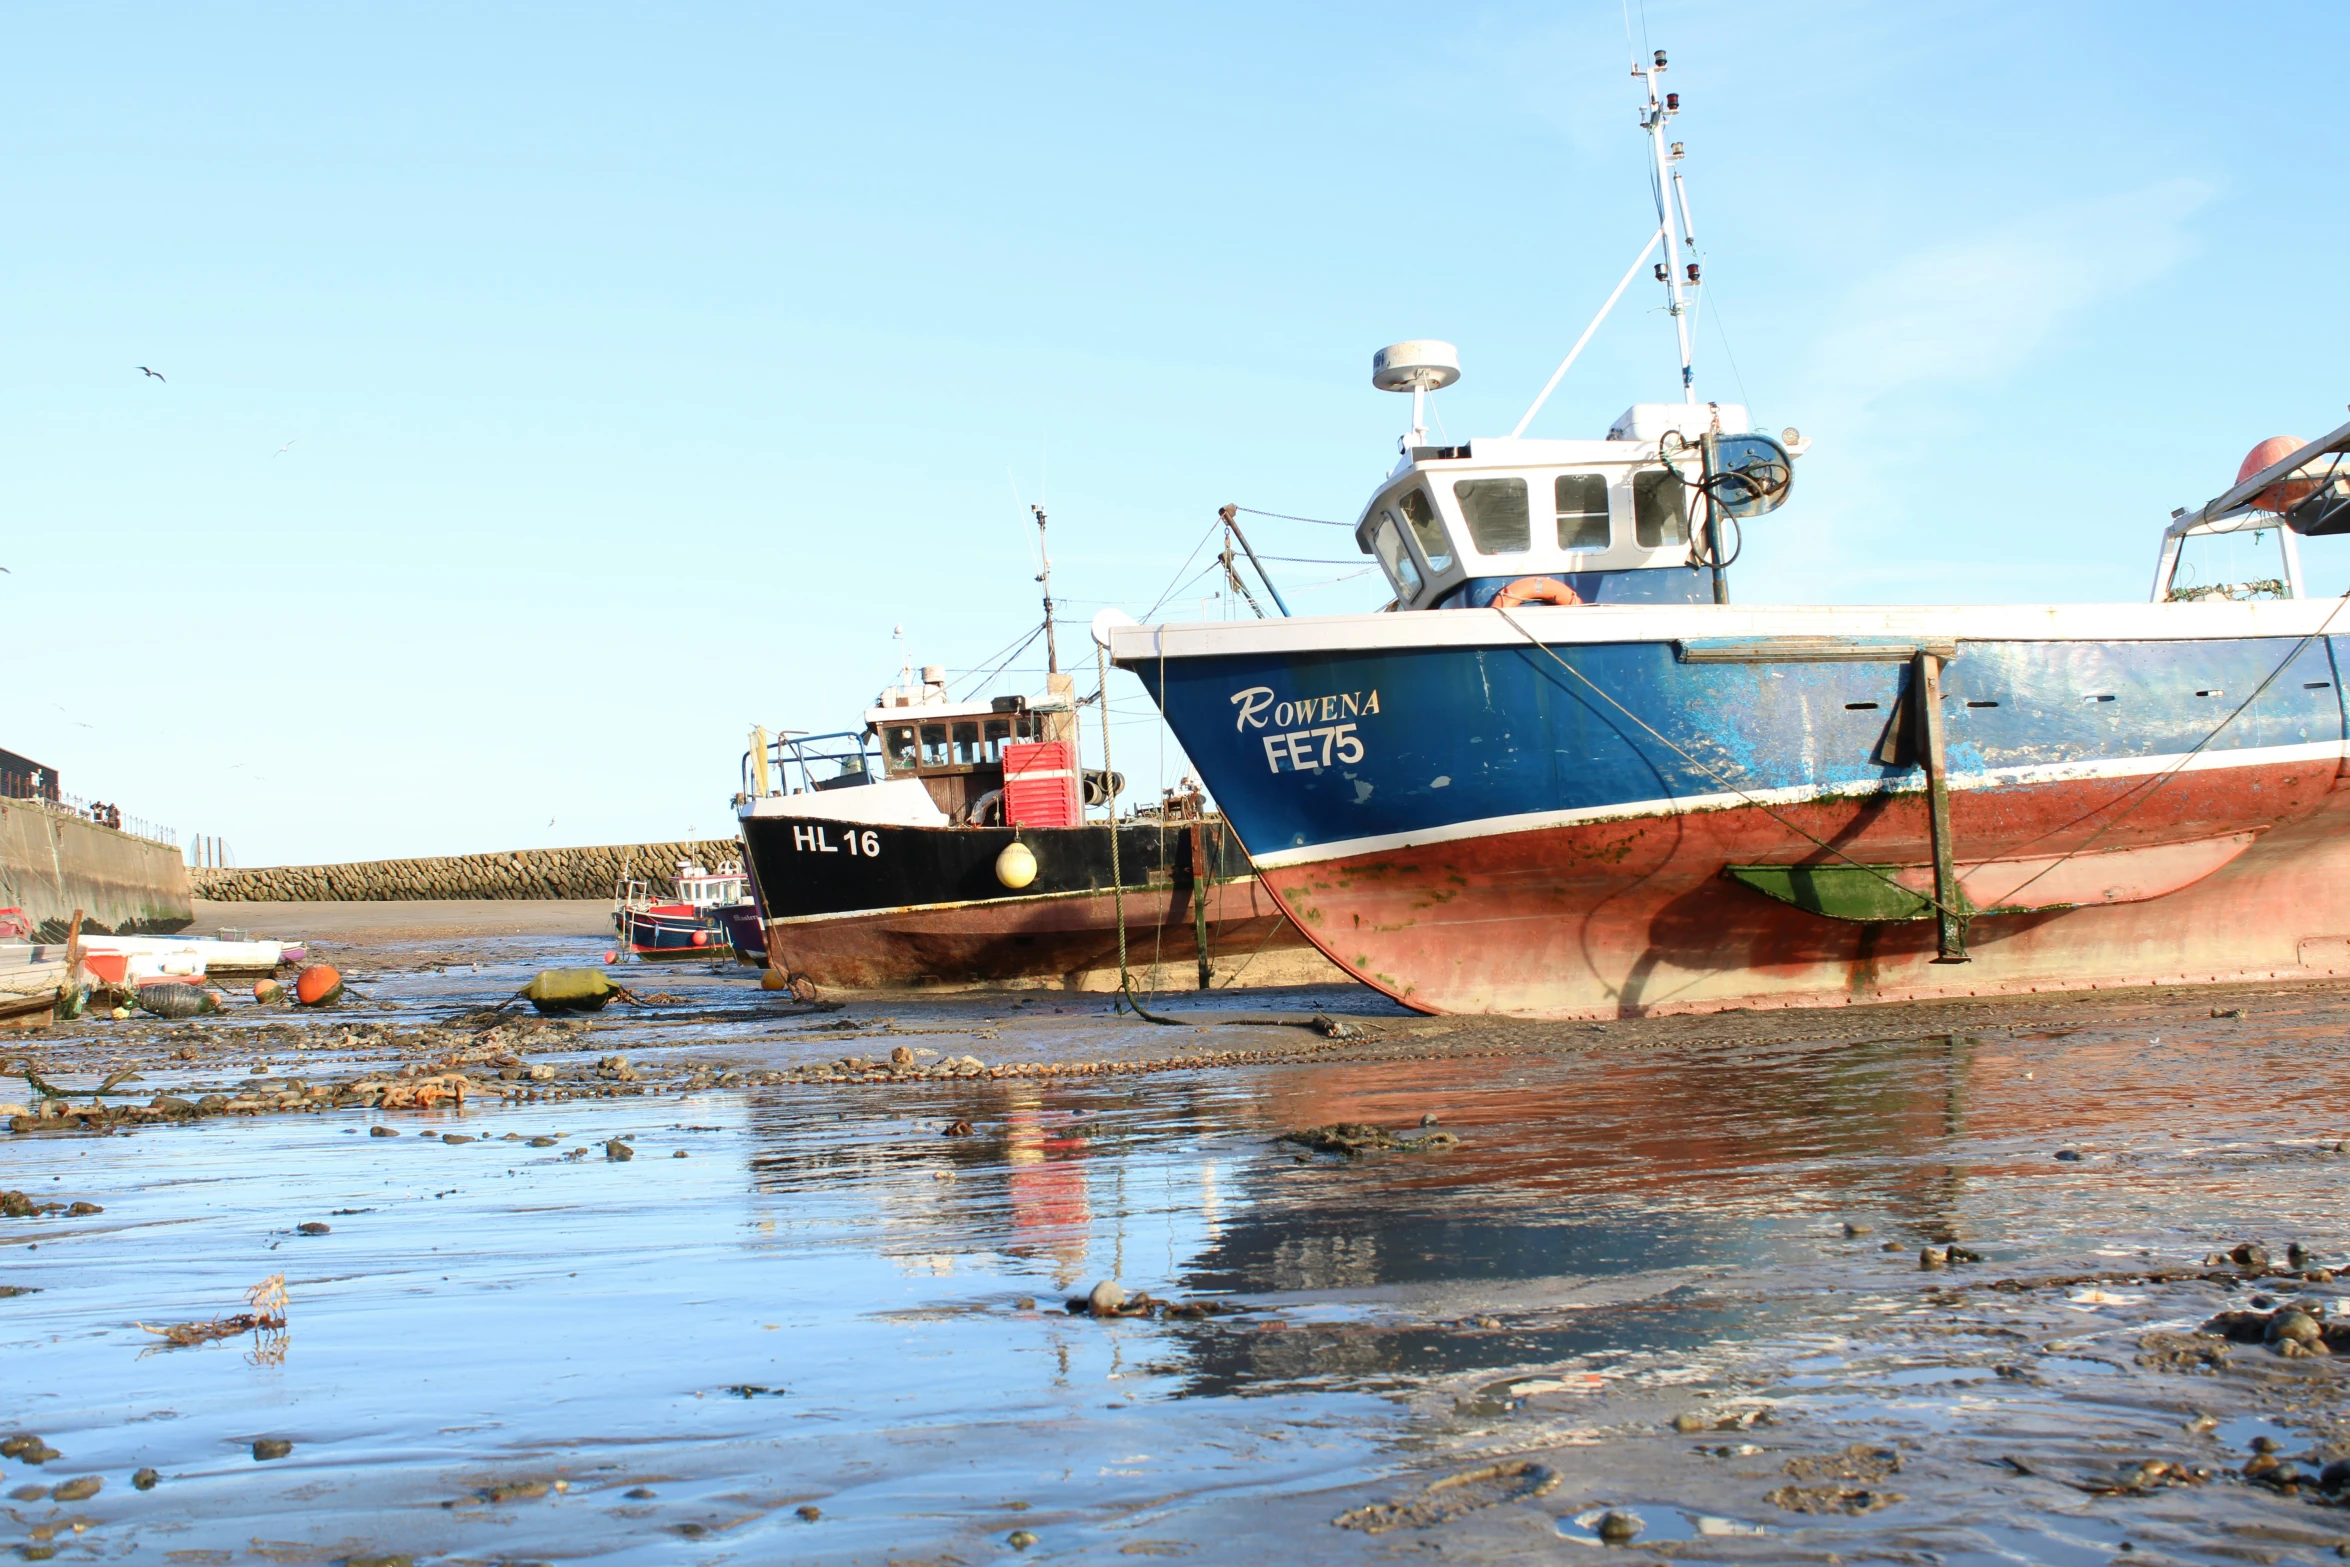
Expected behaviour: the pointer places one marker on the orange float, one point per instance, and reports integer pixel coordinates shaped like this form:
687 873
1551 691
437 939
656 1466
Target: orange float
318 986
268 992
2286 494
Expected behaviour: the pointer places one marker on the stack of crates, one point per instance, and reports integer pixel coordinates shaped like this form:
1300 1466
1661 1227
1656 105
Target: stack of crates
1040 785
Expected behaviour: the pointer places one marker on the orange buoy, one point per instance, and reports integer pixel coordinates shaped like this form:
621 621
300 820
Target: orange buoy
318 986
701 938
269 991
610 957
2280 497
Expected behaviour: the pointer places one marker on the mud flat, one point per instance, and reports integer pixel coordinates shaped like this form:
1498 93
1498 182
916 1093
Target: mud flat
734 1278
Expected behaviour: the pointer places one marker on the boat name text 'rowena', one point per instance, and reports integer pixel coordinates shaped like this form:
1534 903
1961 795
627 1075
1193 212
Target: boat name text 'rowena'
1308 733
1254 702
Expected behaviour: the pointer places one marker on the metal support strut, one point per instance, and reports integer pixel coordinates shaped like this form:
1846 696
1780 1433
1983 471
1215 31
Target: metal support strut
1949 905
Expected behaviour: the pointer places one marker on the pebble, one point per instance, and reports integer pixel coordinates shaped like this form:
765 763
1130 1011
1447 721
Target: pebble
383 1131
2069 1155
1428 1119
312 1227
809 1512
144 1480
455 1137
1026 1303
1688 1424
80 1490
2250 1255
957 1129
28 1493
379 1561
542 1142
642 1493
1931 1258
679 1154
1019 1539
1106 1298
1617 1528
1854 1231
2293 1325
618 1150
270 1447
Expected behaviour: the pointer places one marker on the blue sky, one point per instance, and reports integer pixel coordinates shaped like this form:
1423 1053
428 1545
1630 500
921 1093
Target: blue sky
642 370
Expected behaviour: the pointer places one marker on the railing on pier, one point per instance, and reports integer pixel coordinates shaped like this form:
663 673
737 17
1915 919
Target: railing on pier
18 787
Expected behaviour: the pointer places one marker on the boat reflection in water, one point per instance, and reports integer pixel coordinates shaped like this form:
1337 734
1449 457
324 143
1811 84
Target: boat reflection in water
1600 1208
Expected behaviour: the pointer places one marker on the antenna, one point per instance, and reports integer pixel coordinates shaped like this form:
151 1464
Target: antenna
1672 271
1052 653
1420 366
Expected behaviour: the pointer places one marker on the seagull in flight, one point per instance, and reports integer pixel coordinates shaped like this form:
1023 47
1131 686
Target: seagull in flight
157 374
289 446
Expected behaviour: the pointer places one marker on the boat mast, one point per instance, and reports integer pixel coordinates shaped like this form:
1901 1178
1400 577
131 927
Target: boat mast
1672 272
1052 653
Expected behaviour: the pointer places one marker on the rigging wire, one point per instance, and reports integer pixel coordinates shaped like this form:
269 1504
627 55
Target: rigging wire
1187 560
1025 643
1319 522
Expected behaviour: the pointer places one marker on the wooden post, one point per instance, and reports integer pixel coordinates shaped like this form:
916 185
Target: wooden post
1199 895
1950 926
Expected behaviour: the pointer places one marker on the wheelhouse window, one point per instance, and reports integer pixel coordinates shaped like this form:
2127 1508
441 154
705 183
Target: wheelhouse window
967 744
1660 509
934 745
1387 539
1495 510
897 748
1427 527
1582 510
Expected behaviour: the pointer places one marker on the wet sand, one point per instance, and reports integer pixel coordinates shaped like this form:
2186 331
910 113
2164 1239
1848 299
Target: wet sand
1671 1270
394 924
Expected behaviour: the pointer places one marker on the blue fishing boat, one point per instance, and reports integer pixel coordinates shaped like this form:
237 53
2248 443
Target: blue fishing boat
1563 775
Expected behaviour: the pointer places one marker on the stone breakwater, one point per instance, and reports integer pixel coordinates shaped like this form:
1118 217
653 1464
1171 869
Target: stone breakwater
522 873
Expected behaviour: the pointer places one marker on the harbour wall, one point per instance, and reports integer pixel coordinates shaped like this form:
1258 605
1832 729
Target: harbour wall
52 863
521 873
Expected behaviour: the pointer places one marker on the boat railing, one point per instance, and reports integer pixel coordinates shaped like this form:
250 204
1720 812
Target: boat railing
792 763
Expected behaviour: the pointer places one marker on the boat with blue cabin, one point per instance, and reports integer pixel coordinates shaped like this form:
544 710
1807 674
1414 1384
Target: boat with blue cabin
1563 775
691 923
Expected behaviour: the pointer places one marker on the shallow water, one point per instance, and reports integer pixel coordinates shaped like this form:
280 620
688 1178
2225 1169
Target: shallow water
827 1302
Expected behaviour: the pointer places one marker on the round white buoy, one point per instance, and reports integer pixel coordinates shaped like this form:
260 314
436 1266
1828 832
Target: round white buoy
1016 866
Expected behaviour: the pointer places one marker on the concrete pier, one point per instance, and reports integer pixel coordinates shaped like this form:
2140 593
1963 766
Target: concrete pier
52 863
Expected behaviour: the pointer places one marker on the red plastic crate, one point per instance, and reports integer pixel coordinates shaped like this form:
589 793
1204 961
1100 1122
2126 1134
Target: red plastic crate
1040 785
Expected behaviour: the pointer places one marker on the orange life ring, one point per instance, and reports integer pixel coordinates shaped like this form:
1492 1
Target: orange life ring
1535 590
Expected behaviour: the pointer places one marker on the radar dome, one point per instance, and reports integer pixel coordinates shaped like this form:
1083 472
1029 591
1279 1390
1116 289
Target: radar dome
1422 365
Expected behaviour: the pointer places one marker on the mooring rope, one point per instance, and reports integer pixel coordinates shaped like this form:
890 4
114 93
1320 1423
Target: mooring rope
1926 898
1117 877
2299 648
2149 789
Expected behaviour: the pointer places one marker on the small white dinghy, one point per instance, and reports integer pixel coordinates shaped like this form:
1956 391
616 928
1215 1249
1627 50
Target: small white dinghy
176 957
